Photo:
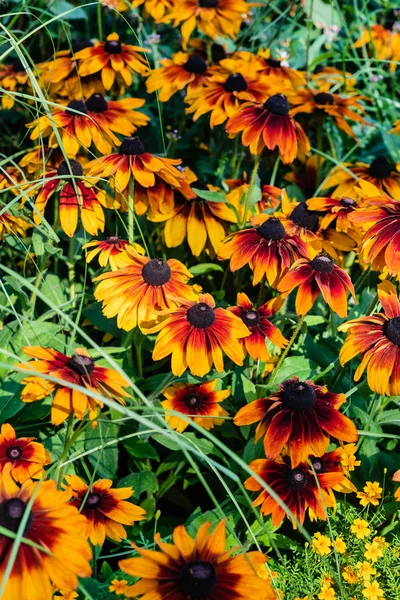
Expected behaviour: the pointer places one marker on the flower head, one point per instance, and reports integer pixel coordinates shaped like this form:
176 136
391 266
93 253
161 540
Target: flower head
321 544
184 70
25 456
372 591
380 172
373 551
110 251
118 586
360 529
371 495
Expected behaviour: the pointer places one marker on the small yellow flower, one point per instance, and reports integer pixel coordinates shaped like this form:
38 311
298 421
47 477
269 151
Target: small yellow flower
372 591
380 541
349 574
365 570
326 580
348 460
327 593
321 544
373 552
118 586
371 495
266 574
360 529
339 545
66 595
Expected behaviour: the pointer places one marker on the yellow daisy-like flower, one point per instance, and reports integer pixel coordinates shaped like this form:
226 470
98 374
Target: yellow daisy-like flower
371 495
65 595
365 570
348 460
339 545
321 544
372 591
360 529
373 551
349 574
327 593
118 586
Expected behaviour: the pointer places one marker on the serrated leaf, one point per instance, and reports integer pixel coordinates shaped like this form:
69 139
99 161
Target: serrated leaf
144 481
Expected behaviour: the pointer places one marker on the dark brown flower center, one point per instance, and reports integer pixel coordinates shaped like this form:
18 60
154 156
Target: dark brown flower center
113 47
304 217
298 395
322 263
324 98
131 146
78 45
76 105
250 318
97 103
380 168
278 105
114 239
93 501
201 315
297 479
192 401
11 513
235 83
318 464
14 452
208 3
348 202
217 53
272 62
272 229
195 64
392 330
197 580
71 167
156 272
81 365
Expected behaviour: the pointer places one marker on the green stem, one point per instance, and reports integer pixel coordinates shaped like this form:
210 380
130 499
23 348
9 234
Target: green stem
275 170
63 456
71 271
250 190
131 214
139 356
234 156
285 352
99 21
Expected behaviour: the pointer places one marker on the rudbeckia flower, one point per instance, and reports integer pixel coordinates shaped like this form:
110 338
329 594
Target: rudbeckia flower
336 211
232 82
381 173
133 293
13 78
319 275
277 69
105 508
270 197
300 416
78 369
266 248
155 8
203 222
378 38
338 107
200 402
377 339
12 225
182 71
195 568
53 524
152 175
261 329
76 196
110 251
270 125
197 334
112 58
212 17
296 487
25 456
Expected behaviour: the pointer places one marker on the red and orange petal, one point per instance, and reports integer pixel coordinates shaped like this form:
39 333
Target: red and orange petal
53 524
26 457
199 401
105 508
155 8
182 71
319 275
110 251
137 292
337 211
197 335
300 417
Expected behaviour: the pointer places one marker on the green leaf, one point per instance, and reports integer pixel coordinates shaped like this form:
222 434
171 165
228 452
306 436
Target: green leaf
58 7
322 13
294 365
53 289
104 458
140 449
203 268
10 403
94 313
144 481
210 196
389 417
314 320
249 389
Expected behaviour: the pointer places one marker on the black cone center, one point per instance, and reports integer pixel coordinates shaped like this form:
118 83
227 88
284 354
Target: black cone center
217 53
250 318
324 98
278 105
348 202
113 47
13 452
11 513
380 168
93 501
195 64
78 45
318 465
304 217
197 579
272 229
297 478
322 263
97 103
392 330
132 146
208 3
192 401
81 365
272 62
298 395
76 105
72 167
114 239
156 272
201 315
235 83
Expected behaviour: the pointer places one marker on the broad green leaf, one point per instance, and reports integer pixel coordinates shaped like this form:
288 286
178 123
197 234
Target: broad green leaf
203 268
105 457
140 449
144 481
210 196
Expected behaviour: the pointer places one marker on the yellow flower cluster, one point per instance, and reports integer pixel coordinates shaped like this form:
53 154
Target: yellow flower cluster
371 495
